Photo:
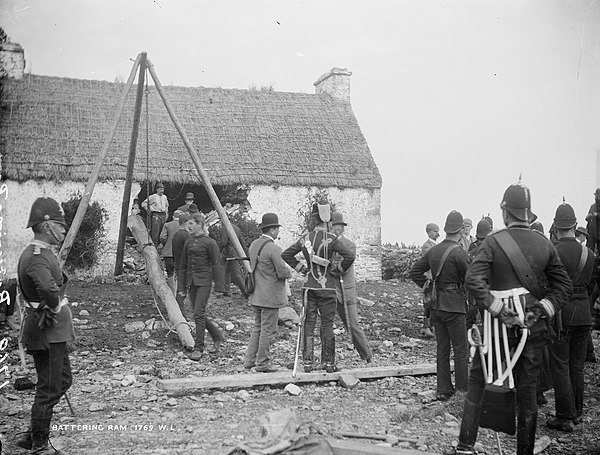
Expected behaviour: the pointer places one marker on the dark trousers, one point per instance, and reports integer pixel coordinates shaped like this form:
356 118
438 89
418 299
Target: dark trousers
53 379
157 221
265 328
227 272
323 303
199 298
526 373
169 265
354 330
450 330
567 359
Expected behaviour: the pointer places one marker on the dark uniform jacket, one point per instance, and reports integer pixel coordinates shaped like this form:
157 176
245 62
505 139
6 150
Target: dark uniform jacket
319 245
592 228
42 284
577 310
450 282
491 269
177 243
200 254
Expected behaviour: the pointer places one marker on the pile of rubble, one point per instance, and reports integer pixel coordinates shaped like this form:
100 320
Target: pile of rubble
396 262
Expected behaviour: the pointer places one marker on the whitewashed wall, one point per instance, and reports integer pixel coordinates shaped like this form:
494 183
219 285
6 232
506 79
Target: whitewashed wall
361 209
18 206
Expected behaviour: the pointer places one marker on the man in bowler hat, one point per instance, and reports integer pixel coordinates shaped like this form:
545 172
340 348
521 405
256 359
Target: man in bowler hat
270 273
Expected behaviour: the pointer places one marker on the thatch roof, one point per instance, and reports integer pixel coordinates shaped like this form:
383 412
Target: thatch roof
53 128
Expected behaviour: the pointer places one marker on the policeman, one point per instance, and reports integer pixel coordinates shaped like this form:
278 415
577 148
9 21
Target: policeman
567 354
319 289
47 326
448 312
491 277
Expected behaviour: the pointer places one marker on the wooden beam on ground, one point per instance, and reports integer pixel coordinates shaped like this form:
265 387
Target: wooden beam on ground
89 187
201 172
284 377
341 447
156 276
130 164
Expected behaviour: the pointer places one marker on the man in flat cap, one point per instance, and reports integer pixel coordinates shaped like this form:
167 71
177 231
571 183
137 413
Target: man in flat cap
270 273
448 264
519 279
433 233
48 324
319 289
466 238
158 206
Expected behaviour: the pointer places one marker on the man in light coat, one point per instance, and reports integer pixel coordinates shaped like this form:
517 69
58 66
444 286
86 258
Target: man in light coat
347 300
270 273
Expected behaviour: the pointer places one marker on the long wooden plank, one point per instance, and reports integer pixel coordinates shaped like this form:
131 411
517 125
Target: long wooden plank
342 447
284 377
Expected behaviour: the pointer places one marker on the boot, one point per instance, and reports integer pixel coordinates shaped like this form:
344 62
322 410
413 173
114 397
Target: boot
469 426
526 426
40 431
25 441
329 354
308 357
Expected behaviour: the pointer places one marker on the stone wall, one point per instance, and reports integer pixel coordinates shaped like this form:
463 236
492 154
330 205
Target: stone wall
18 205
361 209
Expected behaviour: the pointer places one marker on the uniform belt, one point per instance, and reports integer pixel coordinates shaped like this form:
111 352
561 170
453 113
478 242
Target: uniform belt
505 294
158 213
447 287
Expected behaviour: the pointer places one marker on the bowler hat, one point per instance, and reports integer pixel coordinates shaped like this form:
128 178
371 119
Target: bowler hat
517 202
45 209
581 230
565 217
159 185
337 218
269 220
454 222
483 229
189 196
193 208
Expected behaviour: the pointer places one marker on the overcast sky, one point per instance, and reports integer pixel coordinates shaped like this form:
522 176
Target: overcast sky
455 98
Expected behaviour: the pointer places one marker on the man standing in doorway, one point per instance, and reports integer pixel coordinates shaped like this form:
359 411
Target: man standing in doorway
158 206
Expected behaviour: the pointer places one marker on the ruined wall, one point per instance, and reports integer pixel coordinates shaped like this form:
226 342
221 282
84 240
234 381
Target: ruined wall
18 205
361 209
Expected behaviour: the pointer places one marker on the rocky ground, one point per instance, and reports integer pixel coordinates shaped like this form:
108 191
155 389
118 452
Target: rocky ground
119 409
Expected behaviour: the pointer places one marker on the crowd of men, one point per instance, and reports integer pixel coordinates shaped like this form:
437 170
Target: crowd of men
533 296
537 294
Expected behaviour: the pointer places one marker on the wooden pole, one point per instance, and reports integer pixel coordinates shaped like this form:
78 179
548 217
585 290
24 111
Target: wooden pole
203 175
156 276
130 164
89 188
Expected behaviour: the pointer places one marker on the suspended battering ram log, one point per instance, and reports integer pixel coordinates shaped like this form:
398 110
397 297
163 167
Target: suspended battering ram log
156 276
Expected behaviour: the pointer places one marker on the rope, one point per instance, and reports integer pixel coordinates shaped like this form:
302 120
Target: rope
171 328
148 211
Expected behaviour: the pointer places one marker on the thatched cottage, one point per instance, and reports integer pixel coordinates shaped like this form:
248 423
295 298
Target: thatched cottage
277 149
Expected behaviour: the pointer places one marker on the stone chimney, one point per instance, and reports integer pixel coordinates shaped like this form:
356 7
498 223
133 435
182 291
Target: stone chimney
12 60
336 83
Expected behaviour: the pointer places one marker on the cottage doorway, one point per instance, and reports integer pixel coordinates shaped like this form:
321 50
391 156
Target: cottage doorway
232 194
